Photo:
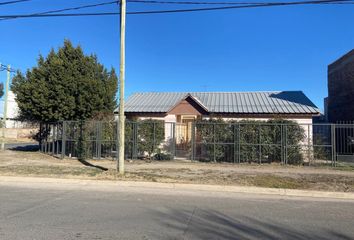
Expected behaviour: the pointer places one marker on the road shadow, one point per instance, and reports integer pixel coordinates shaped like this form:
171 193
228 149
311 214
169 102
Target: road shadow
88 164
23 148
210 224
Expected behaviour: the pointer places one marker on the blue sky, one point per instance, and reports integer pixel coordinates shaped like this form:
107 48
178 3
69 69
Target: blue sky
279 48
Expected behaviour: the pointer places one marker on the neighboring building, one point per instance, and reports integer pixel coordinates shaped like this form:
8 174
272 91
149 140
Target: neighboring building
12 110
340 101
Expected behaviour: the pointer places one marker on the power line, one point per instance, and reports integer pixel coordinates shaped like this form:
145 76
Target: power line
65 9
242 6
193 3
203 3
13 2
210 3
272 4
5 68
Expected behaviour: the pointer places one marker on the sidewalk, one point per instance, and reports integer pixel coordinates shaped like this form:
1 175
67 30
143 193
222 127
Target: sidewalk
157 188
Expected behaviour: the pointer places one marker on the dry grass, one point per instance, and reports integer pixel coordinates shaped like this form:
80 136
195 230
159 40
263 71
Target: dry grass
14 163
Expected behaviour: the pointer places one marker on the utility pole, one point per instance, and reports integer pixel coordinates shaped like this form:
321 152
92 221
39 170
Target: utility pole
4 116
121 144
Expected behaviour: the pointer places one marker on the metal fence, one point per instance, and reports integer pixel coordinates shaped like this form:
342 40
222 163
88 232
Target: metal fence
236 142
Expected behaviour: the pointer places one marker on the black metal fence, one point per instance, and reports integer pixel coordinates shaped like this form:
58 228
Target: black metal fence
236 142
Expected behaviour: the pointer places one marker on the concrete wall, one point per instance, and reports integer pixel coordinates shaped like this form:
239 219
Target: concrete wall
12 108
19 133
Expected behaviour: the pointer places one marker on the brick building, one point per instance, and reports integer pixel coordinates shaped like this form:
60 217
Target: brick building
340 101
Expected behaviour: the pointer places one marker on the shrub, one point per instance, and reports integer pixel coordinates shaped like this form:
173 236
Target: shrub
257 141
150 134
163 156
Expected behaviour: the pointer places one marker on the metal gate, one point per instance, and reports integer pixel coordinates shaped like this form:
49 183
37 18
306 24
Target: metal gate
344 144
183 140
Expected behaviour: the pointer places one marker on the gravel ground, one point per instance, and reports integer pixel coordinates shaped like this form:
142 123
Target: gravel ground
16 163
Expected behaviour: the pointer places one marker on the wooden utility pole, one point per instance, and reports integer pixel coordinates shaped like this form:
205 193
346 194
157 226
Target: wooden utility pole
121 88
4 115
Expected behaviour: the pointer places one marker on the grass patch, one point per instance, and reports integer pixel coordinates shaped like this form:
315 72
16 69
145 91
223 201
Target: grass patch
345 167
273 181
57 171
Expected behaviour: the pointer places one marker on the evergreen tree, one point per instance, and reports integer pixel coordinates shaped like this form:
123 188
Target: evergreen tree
66 85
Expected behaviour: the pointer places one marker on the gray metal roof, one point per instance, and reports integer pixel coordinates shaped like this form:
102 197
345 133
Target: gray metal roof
283 102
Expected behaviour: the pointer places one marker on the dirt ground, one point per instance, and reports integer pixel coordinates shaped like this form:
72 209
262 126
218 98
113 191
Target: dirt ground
16 163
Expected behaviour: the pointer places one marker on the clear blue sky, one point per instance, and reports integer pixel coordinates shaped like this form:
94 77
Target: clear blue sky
279 48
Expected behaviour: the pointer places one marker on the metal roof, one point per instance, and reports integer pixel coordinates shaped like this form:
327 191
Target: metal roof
276 102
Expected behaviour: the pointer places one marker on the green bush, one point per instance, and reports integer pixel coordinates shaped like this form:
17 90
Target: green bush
150 134
163 156
252 140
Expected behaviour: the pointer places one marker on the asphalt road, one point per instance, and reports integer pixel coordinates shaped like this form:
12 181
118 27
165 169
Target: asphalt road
79 213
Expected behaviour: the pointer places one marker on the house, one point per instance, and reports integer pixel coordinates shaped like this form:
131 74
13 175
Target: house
339 103
180 109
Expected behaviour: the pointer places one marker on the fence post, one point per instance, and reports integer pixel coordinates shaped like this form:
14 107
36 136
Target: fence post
41 137
57 147
174 140
99 140
334 154
136 139
63 141
234 137
132 137
239 143
286 145
308 144
154 135
214 143
46 139
282 143
260 143
53 139
193 141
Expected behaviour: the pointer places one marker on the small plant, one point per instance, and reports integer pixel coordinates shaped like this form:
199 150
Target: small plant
163 156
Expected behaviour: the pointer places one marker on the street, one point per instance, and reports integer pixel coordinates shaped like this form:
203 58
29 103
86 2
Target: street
32 211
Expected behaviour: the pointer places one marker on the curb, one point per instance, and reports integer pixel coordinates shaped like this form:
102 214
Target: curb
109 185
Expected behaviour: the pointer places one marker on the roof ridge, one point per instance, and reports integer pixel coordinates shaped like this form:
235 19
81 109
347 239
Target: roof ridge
186 92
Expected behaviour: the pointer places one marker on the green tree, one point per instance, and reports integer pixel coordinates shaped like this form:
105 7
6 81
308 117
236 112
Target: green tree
66 85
